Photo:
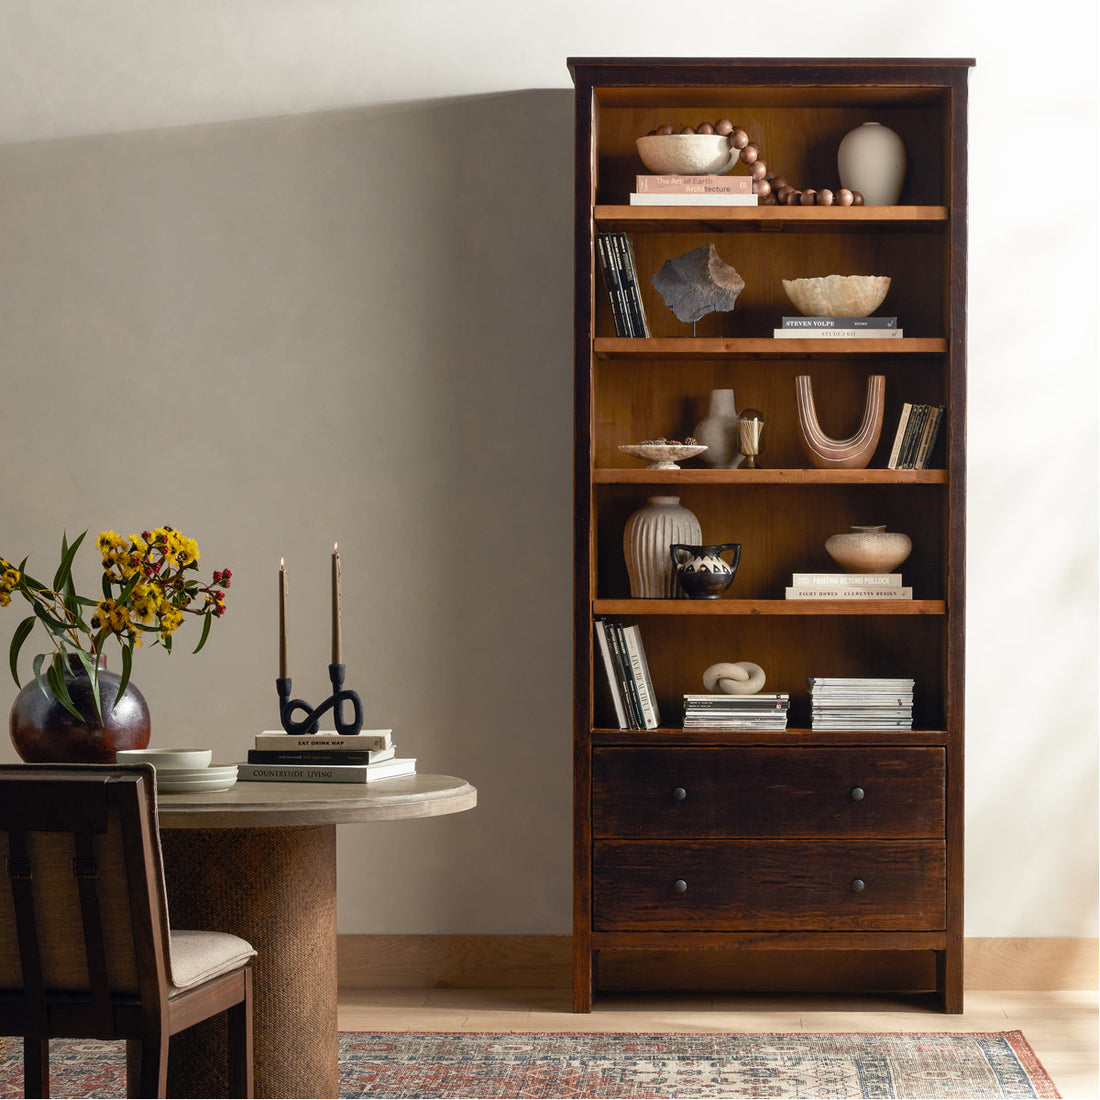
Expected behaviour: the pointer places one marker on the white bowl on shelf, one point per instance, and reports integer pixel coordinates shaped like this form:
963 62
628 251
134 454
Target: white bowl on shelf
167 759
838 295
687 154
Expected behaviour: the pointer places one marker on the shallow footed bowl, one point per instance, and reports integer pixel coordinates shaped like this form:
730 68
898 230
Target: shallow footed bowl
167 759
838 295
687 154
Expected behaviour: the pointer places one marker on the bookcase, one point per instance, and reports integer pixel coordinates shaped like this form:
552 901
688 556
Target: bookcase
808 845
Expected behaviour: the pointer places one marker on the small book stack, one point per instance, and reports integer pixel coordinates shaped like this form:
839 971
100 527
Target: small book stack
325 757
918 430
766 711
848 586
853 703
623 657
693 191
620 278
846 328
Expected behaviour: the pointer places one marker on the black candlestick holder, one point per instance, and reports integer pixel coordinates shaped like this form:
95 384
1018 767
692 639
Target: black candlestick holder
310 721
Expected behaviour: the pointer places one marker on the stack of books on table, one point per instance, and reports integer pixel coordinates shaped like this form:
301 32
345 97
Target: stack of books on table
764 711
621 280
853 703
627 673
848 586
848 328
325 757
693 191
918 430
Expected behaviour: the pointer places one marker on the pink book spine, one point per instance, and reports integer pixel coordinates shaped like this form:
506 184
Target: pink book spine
667 185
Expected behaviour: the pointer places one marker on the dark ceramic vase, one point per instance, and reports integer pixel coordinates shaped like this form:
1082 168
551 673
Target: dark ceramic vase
44 732
702 571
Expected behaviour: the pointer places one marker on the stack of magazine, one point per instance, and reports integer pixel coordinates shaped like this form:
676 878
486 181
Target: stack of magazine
623 658
621 279
765 711
325 757
854 703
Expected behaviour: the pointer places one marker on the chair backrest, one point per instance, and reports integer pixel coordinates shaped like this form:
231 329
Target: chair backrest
82 905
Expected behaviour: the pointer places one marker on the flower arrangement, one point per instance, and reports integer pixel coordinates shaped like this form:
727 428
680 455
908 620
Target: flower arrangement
149 585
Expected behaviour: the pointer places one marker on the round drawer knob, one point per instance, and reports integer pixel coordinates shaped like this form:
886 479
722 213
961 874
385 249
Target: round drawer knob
858 885
858 794
679 794
680 886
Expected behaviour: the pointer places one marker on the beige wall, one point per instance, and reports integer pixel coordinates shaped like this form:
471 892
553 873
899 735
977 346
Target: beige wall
356 326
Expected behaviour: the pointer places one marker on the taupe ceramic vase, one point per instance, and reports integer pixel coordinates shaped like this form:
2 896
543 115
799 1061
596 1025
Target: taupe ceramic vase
869 549
648 534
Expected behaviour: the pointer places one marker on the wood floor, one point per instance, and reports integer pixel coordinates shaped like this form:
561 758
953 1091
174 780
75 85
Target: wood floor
1061 1026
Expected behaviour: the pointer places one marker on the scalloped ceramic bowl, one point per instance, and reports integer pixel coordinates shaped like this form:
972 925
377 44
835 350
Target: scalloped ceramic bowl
838 295
662 456
167 759
687 154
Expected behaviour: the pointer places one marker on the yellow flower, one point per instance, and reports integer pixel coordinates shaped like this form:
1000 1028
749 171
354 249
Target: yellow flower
10 578
5 598
170 620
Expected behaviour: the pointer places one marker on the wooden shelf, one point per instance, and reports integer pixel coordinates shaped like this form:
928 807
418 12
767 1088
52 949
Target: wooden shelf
613 475
765 219
767 347
679 738
769 607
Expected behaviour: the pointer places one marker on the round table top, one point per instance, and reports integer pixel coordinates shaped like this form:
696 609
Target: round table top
256 805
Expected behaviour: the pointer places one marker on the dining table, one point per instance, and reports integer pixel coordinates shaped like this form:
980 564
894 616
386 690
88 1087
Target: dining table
259 860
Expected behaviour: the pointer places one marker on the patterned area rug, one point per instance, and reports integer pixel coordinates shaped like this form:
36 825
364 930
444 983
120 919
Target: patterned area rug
426 1066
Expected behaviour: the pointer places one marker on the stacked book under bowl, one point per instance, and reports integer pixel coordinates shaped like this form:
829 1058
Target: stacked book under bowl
182 771
325 757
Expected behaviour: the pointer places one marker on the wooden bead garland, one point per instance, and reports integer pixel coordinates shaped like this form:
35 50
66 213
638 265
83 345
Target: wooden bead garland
770 189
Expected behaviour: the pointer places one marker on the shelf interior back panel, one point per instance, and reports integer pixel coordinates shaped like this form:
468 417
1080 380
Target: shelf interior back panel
791 649
637 399
798 143
772 546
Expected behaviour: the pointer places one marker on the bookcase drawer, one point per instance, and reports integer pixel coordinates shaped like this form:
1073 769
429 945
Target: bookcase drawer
765 792
769 885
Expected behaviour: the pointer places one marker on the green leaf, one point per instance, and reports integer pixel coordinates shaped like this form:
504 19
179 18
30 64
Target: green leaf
91 667
63 578
36 668
127 588
207 620
52 623
22 631
127 662
55 677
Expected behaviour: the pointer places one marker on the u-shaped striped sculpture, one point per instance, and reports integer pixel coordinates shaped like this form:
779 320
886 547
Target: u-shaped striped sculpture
853 453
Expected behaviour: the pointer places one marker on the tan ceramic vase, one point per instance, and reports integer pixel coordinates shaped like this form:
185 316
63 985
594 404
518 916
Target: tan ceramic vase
869 549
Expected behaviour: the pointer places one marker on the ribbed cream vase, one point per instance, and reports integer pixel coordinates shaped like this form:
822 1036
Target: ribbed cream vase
648 534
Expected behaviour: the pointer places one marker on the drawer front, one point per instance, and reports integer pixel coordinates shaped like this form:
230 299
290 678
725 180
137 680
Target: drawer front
764 792
788 885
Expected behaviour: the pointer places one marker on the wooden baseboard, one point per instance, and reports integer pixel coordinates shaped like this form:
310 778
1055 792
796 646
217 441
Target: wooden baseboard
516 962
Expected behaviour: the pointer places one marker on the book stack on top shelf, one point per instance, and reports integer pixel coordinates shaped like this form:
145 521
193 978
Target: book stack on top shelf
918 430
848 586
620 279
855 703
693 191
847 328
764 711
325 757
627 673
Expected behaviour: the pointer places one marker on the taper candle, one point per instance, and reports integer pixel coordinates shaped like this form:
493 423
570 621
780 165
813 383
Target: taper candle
282 619
337 648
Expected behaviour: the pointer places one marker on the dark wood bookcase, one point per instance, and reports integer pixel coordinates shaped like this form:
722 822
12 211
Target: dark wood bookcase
735 843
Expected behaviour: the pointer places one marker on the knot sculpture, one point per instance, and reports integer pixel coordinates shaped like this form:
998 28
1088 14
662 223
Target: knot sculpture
734 678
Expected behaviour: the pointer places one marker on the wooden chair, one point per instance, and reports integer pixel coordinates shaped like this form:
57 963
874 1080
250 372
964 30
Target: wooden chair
85 947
